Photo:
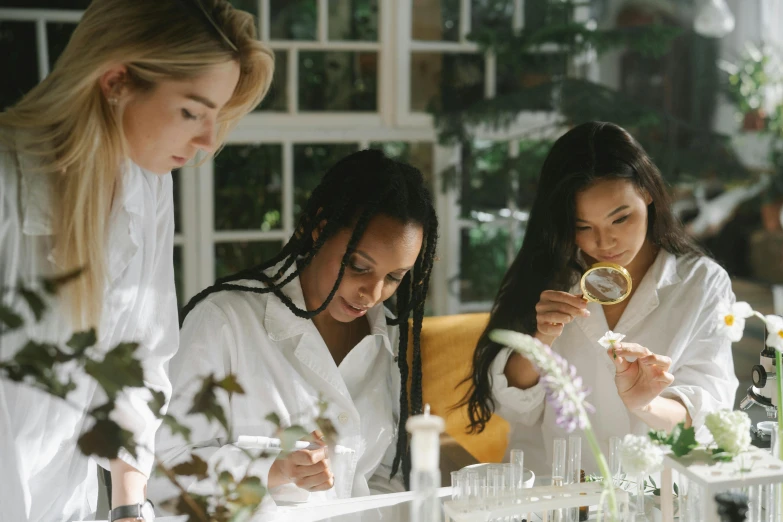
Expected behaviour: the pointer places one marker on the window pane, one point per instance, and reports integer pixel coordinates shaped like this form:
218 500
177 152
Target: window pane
293 19
491 14
485 183
230 258
277 97
17 39
483 255
447 81
311 162
436 20
248 187
58 35
178 277
353 20
338 81
417 154
251 6
175 175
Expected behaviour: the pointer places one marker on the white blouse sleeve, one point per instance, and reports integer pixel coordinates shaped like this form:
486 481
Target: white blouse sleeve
159 332
208 346
704 379
513 404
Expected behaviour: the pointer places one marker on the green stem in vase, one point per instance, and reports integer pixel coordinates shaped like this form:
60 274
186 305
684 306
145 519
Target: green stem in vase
603 467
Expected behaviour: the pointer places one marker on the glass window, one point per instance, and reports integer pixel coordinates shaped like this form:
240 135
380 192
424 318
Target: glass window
293 19
17 39
311 161
277 97
484 251
435 20
353 20
417 154
248 187
57 35
230 258
491 14
446 81
338 81
485 180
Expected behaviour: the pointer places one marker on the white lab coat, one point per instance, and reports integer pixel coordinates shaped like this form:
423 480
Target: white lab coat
284 366
44 475
673 313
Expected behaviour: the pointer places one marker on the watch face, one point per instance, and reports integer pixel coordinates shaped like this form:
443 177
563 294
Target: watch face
147 512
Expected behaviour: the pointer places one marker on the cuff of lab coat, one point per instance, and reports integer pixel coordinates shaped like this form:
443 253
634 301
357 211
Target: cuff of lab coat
513 404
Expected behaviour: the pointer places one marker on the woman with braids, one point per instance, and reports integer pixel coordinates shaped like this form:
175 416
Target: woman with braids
310 325
601 199
85 184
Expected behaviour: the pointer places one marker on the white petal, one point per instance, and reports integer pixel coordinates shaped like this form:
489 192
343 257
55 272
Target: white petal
736 330
741 309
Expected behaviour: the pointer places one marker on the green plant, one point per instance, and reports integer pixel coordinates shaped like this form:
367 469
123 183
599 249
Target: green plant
51 368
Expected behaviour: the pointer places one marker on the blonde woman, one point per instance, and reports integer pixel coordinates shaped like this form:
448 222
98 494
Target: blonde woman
85 161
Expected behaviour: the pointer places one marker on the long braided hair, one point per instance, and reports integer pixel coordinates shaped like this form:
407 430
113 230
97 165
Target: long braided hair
357 188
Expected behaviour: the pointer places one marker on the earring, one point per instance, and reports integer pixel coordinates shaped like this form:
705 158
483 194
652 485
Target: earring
361 295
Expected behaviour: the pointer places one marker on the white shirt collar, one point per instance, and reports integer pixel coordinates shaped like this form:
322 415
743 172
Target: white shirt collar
280 323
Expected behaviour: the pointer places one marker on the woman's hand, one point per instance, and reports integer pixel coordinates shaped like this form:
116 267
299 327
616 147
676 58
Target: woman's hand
308 469
554 310
641 381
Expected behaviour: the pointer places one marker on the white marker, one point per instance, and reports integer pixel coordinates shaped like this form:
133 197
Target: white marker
270 443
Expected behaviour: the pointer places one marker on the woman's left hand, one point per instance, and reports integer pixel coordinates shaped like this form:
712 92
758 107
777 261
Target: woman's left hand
640 381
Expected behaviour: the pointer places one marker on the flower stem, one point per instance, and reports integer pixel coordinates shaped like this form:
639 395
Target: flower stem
603 467
778 366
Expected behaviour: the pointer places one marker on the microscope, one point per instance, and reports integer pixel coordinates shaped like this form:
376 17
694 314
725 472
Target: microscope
763 393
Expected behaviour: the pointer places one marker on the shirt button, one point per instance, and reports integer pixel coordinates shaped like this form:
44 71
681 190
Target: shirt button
343 418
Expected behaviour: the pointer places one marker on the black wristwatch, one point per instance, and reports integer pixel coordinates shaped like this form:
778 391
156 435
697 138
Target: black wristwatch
142 512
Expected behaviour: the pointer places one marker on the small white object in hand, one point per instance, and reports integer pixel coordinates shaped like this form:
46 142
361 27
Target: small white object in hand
775 328
730 429
638 454
731 319
132 412
610 338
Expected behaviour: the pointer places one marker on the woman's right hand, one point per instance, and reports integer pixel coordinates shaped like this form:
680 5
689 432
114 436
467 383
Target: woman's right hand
308 469
554 310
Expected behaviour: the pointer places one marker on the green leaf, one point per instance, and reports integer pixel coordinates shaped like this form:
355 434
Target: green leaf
657 492
230 384
251 491
176 427
653 482
721 455
80 341
195 467
51 285
274 418
9 318
105 440
659 436
243 514
225 479
676 489
119 369
34 301
683 440
290 436
205 402
157 402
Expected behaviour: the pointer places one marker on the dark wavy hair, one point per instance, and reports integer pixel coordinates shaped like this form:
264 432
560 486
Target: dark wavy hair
547 260
357 188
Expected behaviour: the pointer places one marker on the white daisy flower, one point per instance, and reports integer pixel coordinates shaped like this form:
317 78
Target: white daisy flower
731 319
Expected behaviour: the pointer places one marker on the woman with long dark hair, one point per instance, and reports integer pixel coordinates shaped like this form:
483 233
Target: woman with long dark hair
310 324
601 199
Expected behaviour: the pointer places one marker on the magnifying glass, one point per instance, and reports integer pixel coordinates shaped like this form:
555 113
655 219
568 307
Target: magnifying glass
606 284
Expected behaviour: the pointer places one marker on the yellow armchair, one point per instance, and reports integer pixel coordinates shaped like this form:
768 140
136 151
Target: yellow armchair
447 346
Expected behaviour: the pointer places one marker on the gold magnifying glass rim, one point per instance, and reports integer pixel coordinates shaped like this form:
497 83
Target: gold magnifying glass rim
614 266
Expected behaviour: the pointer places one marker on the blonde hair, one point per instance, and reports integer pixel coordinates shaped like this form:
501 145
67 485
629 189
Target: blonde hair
70 127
